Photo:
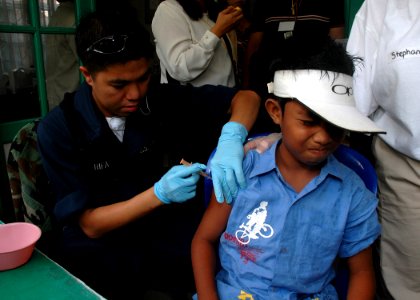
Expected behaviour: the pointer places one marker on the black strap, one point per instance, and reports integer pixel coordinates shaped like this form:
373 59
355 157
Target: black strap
229 50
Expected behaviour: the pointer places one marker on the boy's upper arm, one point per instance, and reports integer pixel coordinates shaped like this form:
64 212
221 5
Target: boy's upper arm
214 220
217 214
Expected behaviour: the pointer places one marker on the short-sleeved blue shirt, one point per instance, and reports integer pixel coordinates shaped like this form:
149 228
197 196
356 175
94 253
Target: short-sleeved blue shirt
280 244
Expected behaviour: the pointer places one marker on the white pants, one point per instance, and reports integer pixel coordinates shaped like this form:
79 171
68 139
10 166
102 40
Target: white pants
399 215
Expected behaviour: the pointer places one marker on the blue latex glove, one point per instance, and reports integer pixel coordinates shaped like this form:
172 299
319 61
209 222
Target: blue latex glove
226 165
178 184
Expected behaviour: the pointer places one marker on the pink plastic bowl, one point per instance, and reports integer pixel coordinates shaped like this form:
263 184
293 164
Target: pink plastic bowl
17 242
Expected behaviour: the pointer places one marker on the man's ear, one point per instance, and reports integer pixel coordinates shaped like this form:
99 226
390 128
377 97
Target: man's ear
86 74
274 110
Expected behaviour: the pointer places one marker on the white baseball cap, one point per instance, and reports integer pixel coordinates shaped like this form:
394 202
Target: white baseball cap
328 94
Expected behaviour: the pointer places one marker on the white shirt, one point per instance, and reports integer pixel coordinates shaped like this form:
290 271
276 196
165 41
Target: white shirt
386 34
117 125
188 50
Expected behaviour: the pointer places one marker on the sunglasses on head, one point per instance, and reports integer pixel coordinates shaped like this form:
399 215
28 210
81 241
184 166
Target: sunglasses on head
109 44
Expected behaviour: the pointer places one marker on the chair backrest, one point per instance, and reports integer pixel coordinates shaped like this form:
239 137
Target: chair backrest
346 155
359 164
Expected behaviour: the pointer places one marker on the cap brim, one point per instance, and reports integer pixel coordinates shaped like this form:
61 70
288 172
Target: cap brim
328 95
345 117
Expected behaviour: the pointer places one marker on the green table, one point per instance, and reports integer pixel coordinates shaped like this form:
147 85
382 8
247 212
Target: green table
42 278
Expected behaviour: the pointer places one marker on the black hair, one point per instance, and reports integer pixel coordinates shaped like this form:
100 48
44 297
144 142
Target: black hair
193 9
326 55
97 25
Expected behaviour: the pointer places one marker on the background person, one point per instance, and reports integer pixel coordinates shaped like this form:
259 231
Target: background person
61 61
279 27
192 48
386 34
105 148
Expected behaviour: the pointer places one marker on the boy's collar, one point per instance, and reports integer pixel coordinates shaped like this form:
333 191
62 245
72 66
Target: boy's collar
266 162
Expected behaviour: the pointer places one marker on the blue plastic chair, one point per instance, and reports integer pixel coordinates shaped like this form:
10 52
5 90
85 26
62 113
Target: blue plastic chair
359 164
347 156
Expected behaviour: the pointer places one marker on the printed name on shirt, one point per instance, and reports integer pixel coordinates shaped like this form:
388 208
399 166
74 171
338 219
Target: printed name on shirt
247 253
101 166
404 53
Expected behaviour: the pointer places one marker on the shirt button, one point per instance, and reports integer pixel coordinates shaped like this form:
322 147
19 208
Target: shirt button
283 250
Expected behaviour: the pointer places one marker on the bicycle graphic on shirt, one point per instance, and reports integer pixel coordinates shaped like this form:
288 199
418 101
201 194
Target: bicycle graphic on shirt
256 226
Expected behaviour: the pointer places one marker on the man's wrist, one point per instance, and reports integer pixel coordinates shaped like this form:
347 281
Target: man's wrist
159 195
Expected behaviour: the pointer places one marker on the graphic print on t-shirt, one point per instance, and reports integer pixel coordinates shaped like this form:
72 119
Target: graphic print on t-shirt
255 227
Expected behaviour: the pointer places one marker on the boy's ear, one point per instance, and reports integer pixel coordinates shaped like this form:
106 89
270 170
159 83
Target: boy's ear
274 110
86 74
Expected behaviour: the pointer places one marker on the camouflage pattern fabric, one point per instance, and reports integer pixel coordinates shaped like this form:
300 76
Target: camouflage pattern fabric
31 194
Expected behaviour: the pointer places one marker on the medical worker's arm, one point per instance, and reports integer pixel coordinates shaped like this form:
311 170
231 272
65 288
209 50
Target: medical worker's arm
362 276
226 165
244 108
176 186
204 247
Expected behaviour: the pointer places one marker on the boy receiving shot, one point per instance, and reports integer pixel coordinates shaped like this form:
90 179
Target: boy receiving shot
301 208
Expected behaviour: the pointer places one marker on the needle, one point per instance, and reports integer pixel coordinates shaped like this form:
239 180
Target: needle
186 163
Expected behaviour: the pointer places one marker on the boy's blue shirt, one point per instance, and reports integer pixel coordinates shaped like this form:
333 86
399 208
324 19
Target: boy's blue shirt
333 215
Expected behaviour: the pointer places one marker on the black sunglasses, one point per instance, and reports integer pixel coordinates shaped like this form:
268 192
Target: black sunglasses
109 44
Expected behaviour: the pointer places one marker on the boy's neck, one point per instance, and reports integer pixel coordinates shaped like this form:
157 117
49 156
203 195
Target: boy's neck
295 173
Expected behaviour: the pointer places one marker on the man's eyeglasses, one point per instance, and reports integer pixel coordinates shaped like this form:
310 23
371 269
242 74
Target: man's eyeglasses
109 44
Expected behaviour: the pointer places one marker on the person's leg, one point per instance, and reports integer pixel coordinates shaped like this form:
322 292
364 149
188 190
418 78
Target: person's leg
111 269
399 214
169 247
382 292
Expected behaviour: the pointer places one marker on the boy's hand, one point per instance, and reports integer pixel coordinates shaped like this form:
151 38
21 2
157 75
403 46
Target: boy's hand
226 165
178 184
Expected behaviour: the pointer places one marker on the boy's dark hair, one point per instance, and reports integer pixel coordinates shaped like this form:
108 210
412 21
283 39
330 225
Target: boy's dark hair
326 55
132 40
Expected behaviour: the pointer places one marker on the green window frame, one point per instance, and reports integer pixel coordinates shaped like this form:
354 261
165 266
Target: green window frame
351 7
8 130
